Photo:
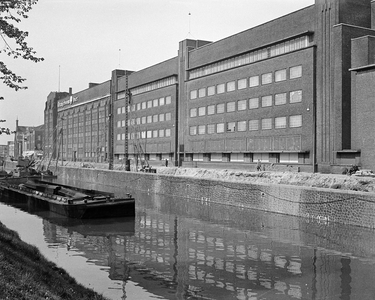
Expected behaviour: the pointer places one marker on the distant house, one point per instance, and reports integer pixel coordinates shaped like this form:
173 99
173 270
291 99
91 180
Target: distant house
28 140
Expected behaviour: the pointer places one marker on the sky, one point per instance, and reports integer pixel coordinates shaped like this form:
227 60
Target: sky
82 41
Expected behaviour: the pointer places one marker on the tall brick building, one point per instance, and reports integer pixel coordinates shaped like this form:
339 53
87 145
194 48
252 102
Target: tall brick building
287 92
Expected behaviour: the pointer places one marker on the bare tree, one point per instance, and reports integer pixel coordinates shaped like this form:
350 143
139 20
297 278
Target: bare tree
15 45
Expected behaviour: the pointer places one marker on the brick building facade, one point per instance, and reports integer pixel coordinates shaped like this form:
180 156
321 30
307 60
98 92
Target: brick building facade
281 93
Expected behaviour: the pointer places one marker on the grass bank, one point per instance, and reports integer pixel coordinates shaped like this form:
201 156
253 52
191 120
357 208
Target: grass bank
26 274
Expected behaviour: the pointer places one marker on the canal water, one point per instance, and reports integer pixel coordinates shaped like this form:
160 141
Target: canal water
178 248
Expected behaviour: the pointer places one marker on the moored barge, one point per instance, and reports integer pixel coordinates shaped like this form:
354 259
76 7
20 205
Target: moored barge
69 201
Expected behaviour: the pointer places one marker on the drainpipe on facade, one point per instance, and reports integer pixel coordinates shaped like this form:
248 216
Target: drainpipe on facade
314 164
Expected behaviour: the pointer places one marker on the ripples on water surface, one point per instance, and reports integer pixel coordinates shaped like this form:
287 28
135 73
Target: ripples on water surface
184 249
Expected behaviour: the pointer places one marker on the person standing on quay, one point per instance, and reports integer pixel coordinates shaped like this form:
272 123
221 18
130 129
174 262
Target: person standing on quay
259 166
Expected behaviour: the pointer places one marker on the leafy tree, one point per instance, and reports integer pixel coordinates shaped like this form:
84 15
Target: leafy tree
11 14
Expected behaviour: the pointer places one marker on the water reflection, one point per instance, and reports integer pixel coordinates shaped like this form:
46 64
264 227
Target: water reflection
183 249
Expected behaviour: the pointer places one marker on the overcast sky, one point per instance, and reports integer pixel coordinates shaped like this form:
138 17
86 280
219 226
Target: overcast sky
82 41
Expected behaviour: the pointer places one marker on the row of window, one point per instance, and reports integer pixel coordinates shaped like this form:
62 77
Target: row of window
147 119
240 157
146 134
251 57
243 83
251 125
147 104
154 85
252 103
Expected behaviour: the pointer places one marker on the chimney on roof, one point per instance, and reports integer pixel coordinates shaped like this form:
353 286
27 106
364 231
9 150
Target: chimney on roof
70 91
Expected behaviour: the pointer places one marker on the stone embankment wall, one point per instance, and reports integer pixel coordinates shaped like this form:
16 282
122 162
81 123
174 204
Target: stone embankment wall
325 205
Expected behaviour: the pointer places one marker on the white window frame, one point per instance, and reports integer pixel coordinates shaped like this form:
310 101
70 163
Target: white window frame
280 122
242 83
266 123
295 72
254 103
295 121
254 81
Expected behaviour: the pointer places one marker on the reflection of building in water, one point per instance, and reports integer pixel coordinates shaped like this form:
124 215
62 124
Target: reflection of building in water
190 257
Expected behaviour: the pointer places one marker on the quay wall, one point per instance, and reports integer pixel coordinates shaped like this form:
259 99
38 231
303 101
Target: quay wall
325 205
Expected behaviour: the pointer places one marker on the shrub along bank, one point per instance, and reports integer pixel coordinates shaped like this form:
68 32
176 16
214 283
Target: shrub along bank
26 274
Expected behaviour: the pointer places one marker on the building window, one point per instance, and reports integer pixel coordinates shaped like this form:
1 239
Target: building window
242 83
237 157
138 121
144 120
193 94
154 85
144 105
295 96
149 134
231 126
149 119
220 108
202 92
231 86
193 130
202 111
220 88
211 128
295 72
161 118
198 157
250 57
211 109
123 123
253 103
254 81
266 124
241 105
161 133
118 123
156 102
262 157
211 90
253 125
295 121
231 106
220 128
155 133
168 100
280 75
266 78
168 132
193 112
154 118
289 157
266 101
138 106
280 99
168 116
216 157
241 126
161 101
201 129
280 122
149 103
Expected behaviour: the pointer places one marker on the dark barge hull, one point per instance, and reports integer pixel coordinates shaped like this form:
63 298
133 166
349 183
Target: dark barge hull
109 209
84 209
